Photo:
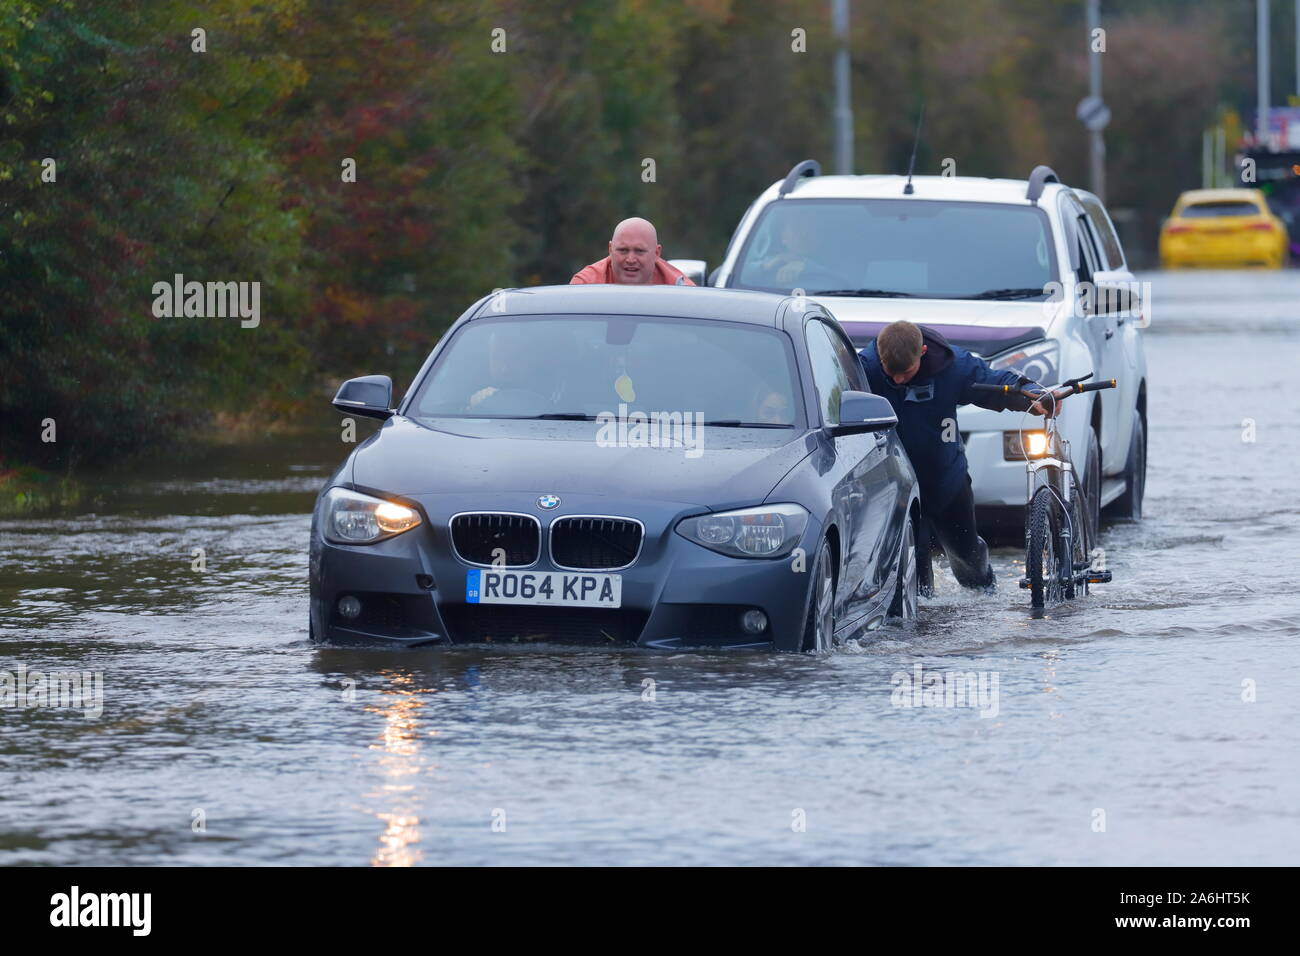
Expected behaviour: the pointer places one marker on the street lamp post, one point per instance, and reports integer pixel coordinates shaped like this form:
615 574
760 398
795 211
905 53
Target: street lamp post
1261 72
843 108
1092 110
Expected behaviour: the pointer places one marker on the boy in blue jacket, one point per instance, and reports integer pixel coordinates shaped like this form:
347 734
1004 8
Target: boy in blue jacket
925 378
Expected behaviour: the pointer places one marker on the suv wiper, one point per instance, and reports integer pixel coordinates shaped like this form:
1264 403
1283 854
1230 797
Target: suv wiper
1009 293
868 293
564 416
737 423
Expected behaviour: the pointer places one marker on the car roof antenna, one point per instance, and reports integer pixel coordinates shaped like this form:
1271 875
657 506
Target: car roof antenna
907 190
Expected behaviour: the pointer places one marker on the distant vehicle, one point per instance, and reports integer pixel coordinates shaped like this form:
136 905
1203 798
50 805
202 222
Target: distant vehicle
1223 228
488 507
1277 174
1028 274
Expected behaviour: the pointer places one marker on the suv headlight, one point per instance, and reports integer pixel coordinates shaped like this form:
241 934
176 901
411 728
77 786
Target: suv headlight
1039 362
354 518
767 531
1019 445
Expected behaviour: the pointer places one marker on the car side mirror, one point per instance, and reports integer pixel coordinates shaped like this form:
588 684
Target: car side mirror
862 412
693 269
1115 300
370 395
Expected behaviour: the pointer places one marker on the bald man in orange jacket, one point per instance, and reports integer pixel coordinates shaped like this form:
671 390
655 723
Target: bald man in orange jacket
633 259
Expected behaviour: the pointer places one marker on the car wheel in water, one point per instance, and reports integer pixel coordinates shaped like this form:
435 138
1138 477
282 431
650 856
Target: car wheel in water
819 626
1129 504
907 581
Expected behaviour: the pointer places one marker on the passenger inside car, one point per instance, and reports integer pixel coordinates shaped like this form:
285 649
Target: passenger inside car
771 406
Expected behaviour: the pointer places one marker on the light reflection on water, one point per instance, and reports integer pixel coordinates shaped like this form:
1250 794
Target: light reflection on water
399 764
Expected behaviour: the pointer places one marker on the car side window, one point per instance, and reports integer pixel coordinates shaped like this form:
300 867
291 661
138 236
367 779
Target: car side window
1071 213
829 374
1087 251
1095 261
1083 273
849 360
1105 231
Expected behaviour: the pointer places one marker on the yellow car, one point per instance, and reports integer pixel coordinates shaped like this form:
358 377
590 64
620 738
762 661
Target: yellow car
1223 227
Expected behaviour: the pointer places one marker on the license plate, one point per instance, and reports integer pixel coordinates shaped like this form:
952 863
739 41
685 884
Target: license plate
553 588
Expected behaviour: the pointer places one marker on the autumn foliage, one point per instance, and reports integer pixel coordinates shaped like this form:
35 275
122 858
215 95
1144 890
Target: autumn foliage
495 143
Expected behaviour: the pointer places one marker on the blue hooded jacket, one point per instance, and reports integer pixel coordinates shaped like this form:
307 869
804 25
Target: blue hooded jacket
929 400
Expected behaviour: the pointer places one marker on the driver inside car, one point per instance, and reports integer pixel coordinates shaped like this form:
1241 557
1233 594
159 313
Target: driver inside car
517 378
799 246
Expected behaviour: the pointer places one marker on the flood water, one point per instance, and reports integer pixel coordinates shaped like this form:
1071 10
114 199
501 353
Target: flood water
1165 706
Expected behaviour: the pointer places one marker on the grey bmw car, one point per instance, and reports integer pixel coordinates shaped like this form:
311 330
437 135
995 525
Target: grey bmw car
662 466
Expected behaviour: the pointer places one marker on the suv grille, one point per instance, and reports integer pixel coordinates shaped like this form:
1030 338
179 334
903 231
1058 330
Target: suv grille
477 535
595 544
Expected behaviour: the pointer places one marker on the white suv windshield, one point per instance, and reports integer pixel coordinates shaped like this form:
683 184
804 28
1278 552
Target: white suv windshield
902 247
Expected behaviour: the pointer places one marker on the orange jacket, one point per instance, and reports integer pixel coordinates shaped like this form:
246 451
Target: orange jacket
599 272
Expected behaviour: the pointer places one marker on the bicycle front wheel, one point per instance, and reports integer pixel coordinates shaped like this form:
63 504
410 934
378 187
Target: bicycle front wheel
1042 563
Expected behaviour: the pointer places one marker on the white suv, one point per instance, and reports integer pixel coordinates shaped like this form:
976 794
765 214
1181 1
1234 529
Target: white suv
1028 274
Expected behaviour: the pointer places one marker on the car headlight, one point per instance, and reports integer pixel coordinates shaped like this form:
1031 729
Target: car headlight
1037 362
1019 445
354 518
767 531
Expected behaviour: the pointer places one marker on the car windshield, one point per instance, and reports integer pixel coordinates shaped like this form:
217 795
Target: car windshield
903 247
1216 210
580 367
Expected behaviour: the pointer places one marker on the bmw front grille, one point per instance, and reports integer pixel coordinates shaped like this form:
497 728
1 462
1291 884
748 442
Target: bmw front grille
595 542
480 537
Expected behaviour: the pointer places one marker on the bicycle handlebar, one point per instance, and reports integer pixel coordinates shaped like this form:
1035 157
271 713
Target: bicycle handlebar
1073 387
1095 386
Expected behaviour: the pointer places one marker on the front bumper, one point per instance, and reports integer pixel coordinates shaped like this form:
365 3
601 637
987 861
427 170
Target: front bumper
996 482
677 594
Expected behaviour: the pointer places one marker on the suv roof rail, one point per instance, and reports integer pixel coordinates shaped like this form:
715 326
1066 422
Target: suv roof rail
809 167
1040 177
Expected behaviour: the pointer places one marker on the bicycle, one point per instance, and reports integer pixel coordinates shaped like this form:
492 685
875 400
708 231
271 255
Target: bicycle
1058 562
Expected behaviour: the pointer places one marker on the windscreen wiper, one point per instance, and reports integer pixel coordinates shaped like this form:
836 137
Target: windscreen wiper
1024 293
552 416
868 293
737 423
